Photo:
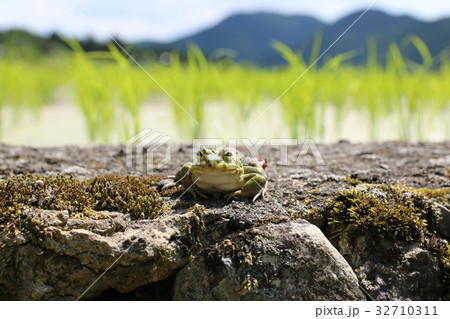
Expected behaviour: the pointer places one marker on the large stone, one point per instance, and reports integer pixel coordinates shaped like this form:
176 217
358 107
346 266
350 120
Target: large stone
286 261
391 270
443 220
69 259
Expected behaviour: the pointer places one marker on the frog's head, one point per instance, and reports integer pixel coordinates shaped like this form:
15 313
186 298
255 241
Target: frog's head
219 160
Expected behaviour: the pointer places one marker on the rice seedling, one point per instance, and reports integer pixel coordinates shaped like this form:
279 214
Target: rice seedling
189 84
304 104
414 101
297 103
243 91
331 76
131 85
93 79
3 67
441 87
26 85
110 92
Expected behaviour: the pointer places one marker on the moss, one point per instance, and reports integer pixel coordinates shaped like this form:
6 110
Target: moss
393 212
352 181
193 228
248 285
182 205
46 192
20 194
314 216
315 191
23 194
199 212
391 216
442 194
172 191
272 220
126 194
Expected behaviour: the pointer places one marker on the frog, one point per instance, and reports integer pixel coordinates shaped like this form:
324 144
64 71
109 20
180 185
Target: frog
225 171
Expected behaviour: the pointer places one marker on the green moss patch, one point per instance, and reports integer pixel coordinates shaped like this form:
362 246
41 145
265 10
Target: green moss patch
46 192
393 212
127 194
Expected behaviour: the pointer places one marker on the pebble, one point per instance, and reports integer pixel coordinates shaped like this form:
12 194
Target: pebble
75 170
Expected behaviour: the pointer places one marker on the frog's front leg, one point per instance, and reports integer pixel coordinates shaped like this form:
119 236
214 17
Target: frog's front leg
254 185
184 178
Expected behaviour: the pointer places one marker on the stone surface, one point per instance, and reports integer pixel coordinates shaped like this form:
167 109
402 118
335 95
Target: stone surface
392 271
286 261
443 221
75 252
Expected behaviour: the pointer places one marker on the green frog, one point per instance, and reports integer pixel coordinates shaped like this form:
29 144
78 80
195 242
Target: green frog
223 170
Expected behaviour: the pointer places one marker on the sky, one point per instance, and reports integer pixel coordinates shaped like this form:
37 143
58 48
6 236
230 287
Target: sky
166 20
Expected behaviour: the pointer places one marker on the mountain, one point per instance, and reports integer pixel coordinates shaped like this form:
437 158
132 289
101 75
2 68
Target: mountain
382 27
250 36
385 29
436 35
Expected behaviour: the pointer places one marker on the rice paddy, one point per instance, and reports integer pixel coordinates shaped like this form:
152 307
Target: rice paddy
222 99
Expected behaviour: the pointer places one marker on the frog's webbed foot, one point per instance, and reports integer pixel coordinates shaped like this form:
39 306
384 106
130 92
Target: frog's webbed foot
229 196
240 193
190 191
256 187
200 193
262 192
190 187
194 191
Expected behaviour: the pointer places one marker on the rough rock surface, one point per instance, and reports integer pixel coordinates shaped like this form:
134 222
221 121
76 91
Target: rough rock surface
74 252
411 274
443 221
286 261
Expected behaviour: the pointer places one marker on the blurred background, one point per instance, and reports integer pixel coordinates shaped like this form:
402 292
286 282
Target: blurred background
220 69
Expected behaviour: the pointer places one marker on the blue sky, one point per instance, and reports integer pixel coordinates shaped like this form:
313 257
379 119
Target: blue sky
165 20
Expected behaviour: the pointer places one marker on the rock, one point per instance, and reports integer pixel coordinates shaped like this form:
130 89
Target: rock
443 221
389 271
442 161
75 170
72 253
286 261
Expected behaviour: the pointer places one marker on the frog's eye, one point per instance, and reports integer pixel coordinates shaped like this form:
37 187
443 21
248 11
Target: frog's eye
199 153
229 154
